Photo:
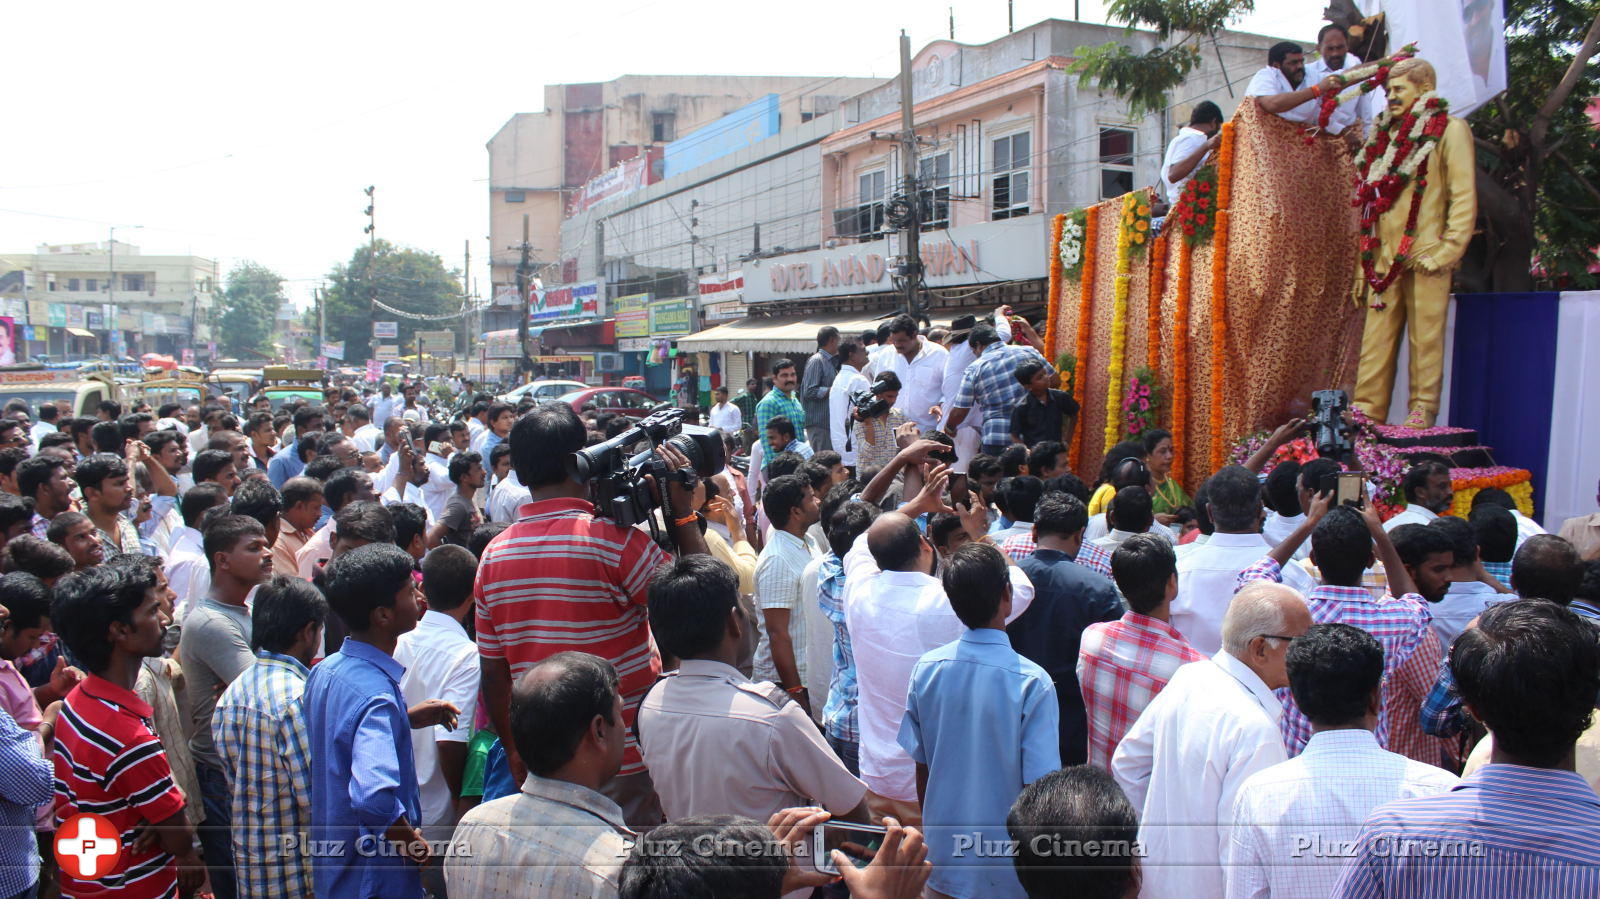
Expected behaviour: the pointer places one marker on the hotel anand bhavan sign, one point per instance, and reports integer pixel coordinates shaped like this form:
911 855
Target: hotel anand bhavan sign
984 253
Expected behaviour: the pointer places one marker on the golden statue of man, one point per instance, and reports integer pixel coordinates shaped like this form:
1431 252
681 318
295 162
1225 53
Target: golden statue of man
1417 300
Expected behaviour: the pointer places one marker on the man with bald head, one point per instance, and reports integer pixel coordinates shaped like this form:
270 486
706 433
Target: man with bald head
1214 725
896 610
559 836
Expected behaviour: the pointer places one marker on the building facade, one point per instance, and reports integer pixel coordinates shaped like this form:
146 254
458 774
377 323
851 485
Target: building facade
76 300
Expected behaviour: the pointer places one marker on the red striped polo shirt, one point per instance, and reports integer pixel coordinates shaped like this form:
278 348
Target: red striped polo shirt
108 760
559 579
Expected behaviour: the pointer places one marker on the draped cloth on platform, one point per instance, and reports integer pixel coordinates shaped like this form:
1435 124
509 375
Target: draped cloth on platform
1291 326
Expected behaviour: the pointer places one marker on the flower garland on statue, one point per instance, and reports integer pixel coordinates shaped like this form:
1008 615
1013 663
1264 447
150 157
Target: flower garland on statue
1085 311
1119 316
1158 282
1395 155
1193 211
1141 404
1219 290
1379 78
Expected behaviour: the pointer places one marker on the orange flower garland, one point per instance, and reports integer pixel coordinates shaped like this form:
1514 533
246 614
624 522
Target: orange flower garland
1053 301
1091 230
1158 274
1180 357
1219 290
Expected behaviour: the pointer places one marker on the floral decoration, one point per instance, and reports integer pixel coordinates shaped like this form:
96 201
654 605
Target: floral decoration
1085 311
1119 316
1071 246
1219 291
1384 464
1468 481
1395 155
1379 78
1196 209
1141 403
1067 365
1136 220
1053 299
1158 283
1180 353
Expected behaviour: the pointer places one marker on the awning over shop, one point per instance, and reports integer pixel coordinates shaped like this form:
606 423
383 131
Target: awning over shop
788 334
79 332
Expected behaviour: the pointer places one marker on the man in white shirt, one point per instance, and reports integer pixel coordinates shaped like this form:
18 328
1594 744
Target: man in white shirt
411 473
1283 496
188 569
366 435
895 611
791 505
1428 493
724 416
1129 513
441 662
48 416
1282 88
919 363
1208 575
1293 822
852 356
879 356
384 405
1351 117
508 497
438 489
1195 744
1191 147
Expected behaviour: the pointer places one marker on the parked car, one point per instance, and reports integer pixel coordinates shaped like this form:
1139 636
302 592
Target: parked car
616 400
540 390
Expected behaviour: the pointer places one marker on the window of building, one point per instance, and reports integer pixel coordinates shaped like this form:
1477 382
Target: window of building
72 283
516 196
867 217
1116 162
133 282
663 127
92 284
933 181
1013 160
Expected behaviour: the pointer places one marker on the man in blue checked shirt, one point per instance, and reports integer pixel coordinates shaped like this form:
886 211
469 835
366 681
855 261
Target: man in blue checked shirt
839 715
1524 824
261 733
780 401
991 385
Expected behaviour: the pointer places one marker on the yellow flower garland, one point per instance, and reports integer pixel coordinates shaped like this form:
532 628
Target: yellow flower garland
1119 320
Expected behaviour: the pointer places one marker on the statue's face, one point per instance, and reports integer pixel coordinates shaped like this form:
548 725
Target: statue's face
1403 93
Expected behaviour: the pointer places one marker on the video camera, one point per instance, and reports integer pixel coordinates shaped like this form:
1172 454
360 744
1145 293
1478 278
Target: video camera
1329 431
868 404
616 475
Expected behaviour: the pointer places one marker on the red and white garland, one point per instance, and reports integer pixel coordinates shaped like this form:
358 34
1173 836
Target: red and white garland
1395 154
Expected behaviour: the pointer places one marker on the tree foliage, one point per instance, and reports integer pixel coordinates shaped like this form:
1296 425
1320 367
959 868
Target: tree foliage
1539 155
250 305
1143 79
406 279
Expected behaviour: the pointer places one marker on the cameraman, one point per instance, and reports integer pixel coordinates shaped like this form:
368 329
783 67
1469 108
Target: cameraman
560 578
872 435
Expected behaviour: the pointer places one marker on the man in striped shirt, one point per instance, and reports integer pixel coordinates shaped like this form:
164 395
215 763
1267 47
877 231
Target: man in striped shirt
780 402
560 578
1342 541
108 759
1524 824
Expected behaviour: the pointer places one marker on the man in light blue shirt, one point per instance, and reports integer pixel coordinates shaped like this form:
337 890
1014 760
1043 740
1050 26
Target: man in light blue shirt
286 463
981 723
365 803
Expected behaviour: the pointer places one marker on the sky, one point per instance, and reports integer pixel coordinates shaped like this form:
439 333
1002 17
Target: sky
249 131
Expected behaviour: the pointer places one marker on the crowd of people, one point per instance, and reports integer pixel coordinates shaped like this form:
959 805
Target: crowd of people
372 648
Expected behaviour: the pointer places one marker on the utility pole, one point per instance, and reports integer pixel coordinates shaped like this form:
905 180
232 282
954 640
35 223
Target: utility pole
466 300
525 291
911 264
321 294
372 251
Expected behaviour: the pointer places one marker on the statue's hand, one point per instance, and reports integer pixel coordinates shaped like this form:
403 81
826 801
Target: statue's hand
1426 263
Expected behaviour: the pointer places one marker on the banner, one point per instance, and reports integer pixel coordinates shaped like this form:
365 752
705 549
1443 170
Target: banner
632 315
333 349
437 343
374 370
386 330
580 300
1465 42
623 178
387 351
502 345
8 341
670 318
188 356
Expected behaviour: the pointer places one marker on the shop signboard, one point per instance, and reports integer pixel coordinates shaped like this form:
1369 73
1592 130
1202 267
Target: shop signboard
387 351
632 314
386 330
569 301
671 318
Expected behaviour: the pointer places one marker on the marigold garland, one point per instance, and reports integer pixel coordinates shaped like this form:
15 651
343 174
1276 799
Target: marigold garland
1136 220
1091 231
1219 289
1158 274
1053 300
1119 316
1180 356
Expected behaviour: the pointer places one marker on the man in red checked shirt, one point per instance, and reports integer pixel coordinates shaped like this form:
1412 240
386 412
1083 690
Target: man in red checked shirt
107 758
559 579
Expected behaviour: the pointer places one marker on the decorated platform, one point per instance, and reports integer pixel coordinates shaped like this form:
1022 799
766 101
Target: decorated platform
1233 315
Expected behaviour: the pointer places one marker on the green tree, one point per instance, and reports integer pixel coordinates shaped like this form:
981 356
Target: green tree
1539 155
1538 150
250 304
406 279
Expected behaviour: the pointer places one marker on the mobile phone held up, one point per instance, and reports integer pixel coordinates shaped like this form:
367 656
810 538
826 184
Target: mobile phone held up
859 842
1349 488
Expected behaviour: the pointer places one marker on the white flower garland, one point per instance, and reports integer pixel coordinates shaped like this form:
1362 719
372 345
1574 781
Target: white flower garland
1420 149
1071 243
